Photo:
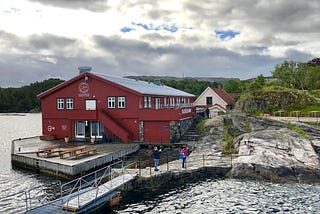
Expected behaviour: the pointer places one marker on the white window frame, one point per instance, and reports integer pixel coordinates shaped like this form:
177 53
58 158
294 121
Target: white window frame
111 102
178 101
157 103
147 102
80 129
69 103
60 103
121 102
172 101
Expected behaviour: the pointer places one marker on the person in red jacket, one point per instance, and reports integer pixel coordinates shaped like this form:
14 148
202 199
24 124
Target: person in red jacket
184 151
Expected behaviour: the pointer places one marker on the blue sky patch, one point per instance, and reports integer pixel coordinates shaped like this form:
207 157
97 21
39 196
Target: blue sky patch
226 34
150 27
126 29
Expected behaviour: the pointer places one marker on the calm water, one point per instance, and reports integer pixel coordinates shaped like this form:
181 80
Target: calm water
212 196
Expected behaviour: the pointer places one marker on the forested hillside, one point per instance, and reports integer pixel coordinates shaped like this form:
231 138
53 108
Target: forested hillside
24 99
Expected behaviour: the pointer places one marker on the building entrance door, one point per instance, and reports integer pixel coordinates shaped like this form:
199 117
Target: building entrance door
88 129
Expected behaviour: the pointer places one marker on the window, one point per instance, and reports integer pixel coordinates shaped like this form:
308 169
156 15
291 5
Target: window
69 103
157 103
171 101
147 102
60 103
111 102
178 101
121 102
183 100
80 129
209 100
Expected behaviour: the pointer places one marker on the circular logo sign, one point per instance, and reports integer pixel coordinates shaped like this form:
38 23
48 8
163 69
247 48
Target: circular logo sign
83 87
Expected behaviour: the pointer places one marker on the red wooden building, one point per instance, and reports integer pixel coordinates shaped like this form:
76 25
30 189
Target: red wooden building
104 107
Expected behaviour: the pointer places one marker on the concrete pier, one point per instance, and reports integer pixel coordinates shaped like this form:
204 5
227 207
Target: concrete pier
24 155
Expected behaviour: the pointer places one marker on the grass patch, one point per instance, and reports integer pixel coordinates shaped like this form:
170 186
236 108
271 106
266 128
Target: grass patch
298 131
227 141
200 127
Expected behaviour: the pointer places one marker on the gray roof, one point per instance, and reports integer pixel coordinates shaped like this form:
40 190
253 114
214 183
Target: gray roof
144 87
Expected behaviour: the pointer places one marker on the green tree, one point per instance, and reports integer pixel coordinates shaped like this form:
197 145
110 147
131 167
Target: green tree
293 75
233 86
24 99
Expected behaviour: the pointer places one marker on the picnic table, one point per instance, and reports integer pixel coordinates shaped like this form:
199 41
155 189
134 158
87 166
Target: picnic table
49 150
77 151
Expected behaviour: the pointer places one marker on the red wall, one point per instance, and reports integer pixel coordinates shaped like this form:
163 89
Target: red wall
61 122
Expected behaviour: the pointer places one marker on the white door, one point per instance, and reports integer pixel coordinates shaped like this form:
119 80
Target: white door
80 129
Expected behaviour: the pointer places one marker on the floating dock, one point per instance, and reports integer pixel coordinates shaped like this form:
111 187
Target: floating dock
24 154
84 199
85 195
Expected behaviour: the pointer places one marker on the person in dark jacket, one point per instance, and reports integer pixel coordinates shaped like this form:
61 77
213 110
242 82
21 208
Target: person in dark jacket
156 157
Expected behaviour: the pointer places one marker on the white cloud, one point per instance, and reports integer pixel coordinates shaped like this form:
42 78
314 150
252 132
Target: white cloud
169 37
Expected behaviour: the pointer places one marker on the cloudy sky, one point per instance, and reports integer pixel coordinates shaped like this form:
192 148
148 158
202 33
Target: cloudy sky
41 39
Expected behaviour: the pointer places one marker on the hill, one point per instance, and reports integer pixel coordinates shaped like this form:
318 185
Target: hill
24 99
209 79
274 98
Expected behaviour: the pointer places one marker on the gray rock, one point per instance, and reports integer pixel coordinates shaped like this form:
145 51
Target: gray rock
266 148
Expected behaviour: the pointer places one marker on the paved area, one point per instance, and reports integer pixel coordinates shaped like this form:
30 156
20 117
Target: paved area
297 119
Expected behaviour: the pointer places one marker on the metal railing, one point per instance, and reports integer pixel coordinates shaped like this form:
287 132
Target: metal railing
37 197
144 166
93 179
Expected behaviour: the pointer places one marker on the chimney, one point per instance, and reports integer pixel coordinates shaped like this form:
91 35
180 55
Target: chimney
83 69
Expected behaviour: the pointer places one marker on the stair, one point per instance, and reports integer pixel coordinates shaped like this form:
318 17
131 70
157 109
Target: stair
113 126
192 133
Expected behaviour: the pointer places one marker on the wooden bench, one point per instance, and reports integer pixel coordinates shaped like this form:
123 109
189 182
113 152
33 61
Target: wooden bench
72 151
86 152
49 150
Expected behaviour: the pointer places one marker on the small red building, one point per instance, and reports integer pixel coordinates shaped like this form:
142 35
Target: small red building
104 107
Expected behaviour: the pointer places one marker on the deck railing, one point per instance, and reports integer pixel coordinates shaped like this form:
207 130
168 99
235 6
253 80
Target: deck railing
93 179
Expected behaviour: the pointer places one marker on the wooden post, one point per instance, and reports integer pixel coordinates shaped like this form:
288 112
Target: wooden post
203 160
167 163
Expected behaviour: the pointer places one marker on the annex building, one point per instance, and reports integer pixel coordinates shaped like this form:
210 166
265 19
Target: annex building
213 101
104 107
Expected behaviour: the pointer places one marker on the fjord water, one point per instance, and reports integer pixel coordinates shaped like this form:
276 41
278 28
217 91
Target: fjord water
211 196
13 182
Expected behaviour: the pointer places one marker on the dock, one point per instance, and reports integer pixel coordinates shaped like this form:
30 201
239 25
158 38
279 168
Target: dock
85 194
48 156
84 199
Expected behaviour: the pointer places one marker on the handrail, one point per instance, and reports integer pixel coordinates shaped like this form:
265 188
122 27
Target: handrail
93 182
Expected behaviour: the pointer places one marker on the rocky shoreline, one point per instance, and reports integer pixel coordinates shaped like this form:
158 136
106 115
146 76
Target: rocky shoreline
263 148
